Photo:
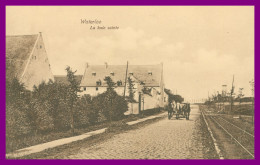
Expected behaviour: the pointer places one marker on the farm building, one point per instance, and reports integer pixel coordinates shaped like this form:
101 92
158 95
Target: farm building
62 79
27 60
147 80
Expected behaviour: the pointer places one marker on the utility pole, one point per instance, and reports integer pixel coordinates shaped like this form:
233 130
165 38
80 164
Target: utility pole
125 77
231 96
224 92
240 94
252 84
139 103
143 104
208 100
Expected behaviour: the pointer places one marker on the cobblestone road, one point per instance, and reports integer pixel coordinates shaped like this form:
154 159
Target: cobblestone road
165 139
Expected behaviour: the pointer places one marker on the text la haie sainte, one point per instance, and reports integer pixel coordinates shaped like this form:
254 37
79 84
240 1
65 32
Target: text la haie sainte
95 24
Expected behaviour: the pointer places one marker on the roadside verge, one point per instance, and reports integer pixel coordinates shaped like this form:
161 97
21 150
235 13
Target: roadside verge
56 143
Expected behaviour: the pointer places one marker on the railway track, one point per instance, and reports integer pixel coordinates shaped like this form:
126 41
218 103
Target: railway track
243 138
245 131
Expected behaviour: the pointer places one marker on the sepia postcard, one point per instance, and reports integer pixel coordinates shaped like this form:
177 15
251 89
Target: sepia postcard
130 82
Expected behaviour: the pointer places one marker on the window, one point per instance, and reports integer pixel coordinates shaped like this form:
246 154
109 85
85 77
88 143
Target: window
40 46
112 73
85 88
150 73
93 73
131 73
164 99
119 83
96 88
98 82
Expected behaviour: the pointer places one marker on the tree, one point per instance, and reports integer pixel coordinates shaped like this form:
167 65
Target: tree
178 98
73 89
43 105
110 94
110 83
17 106
115 105
86 114
171 96
14 90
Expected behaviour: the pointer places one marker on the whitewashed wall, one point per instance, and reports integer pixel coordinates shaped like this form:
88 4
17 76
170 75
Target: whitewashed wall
38 68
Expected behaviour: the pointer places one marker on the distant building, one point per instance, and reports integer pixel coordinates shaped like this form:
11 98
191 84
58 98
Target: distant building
27 60
148 79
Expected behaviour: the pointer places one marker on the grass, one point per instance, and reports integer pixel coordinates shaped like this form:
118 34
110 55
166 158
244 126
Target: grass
243 109
207 142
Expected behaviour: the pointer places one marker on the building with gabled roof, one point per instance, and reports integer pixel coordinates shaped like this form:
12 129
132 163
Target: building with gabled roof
27 60
149 77
62 79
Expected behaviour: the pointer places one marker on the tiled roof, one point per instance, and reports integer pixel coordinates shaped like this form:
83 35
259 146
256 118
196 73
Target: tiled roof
18 50
140 72
62 79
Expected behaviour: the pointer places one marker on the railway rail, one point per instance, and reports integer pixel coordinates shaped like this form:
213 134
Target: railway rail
245 131
240 136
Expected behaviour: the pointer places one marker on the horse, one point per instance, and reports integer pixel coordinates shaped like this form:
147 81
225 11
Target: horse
178 109
170 110
186 110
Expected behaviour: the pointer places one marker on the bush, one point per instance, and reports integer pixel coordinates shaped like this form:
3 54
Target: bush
119 107
111 105
17 107
63 117
17 122
99 106
50 106
85 114
41 115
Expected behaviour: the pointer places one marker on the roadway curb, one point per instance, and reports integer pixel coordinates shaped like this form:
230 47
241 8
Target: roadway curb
213 138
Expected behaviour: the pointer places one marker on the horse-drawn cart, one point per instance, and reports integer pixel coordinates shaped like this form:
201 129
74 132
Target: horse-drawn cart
180 111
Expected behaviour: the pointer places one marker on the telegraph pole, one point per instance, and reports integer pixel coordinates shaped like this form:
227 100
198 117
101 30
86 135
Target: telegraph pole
240 94
208 100
224 91
231 96
139 103
126 77
252 84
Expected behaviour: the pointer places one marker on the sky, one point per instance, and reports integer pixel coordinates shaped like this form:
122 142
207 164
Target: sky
201 47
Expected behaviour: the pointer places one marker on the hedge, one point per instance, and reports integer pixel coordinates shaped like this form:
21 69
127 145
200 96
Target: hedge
48 108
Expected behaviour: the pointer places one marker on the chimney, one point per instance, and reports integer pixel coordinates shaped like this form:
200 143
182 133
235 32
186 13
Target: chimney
86 65
106 65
